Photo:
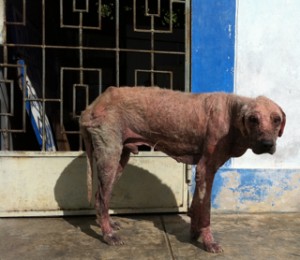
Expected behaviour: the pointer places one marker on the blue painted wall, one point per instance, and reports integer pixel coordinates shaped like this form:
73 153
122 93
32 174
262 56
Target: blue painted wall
256 190
213 37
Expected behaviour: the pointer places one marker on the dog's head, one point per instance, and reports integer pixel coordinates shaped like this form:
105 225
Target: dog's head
262 121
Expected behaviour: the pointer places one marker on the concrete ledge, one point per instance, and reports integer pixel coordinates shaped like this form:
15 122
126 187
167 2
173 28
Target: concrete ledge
52 184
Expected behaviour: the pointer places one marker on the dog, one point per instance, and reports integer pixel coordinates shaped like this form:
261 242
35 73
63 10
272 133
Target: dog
203 129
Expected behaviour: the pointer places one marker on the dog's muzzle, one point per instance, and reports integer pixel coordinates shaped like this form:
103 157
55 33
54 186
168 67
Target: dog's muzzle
264 146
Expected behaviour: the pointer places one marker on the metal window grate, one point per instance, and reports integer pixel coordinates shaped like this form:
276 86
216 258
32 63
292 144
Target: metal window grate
57 56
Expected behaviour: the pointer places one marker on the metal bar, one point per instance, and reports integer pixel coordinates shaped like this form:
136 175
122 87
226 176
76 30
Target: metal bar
80 48
95 48
13 130
71 132
152 49
43 77
61 96
24 100
117 43
44 99
187 43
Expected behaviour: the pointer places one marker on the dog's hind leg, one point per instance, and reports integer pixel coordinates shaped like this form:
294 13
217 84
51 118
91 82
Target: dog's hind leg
122 163
89 156
107 152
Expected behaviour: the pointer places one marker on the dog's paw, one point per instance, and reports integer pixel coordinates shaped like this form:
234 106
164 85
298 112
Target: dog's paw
213 247
114 224
113 239
207 240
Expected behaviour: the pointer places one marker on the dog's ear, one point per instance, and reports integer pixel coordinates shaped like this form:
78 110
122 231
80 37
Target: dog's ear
282 123
241 119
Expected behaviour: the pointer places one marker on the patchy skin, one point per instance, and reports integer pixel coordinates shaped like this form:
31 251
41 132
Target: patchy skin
201 129
202 191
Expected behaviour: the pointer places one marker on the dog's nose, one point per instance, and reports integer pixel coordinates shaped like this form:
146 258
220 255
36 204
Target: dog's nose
267 144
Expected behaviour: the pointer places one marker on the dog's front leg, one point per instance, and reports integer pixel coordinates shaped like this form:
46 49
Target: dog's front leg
201 206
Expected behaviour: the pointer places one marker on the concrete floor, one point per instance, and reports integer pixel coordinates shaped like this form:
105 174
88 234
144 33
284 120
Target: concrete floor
271 236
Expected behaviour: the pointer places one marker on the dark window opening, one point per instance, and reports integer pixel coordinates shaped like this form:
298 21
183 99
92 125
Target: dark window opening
58 56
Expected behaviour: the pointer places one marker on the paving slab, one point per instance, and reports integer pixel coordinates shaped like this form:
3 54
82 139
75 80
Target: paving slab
79 238
267 236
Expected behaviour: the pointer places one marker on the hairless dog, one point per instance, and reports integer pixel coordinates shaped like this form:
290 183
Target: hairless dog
202 129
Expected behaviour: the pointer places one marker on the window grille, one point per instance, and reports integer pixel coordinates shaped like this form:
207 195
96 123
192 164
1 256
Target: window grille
57 56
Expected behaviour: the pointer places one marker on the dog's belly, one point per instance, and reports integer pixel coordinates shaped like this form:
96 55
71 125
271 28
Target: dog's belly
181 152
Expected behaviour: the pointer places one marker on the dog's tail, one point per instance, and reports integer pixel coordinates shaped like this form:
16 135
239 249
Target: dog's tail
89 159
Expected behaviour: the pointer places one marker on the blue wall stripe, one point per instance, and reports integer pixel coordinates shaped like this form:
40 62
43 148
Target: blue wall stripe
213 38
212 50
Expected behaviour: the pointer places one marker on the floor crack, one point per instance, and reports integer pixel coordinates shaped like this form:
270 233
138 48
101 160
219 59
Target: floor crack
167 238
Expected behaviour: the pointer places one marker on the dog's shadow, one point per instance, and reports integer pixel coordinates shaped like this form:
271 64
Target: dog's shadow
137 189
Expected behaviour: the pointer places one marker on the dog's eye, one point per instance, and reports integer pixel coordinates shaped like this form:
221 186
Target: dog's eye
277 120
253 120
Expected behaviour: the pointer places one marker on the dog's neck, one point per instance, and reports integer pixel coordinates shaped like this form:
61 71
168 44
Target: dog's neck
238 132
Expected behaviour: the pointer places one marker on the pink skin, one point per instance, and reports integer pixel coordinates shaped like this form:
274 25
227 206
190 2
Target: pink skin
205 129
201 208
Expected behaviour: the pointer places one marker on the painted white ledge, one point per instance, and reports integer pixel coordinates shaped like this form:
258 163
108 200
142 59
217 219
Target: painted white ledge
45 183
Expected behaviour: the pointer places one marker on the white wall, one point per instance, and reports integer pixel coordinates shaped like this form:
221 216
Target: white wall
268 63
